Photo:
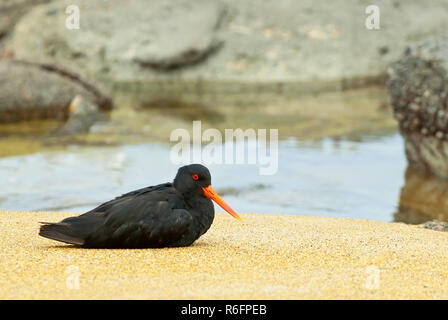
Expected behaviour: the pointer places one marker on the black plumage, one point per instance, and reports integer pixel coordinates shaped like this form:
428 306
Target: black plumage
166 215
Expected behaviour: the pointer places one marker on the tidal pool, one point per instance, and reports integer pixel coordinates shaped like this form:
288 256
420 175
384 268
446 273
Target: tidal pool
339 155
331 177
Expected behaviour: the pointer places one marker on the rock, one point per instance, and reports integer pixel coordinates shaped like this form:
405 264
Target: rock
169 48
36 91
10 13
115 36
82 114
418 89
436 225
12 10
184 35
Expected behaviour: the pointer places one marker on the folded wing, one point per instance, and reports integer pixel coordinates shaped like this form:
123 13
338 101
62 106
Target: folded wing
150 217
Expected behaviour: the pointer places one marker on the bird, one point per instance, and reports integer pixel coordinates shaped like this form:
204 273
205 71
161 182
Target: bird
173 214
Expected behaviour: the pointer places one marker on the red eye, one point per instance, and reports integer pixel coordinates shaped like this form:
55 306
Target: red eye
195 177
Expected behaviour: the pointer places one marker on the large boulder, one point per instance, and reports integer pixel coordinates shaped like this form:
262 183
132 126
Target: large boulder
166 48
36 91
121 39
418 88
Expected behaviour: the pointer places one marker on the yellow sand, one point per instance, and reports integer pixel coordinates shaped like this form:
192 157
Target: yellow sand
264 257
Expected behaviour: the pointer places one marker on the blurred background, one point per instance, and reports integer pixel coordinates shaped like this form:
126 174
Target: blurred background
90 92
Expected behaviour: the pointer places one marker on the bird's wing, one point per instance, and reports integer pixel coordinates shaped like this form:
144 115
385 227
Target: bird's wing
104 207
143 221
148 217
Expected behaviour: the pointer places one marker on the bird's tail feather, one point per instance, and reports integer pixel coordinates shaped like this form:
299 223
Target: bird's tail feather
60 232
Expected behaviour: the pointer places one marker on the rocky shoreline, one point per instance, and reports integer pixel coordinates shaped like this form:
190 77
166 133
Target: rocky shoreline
280 46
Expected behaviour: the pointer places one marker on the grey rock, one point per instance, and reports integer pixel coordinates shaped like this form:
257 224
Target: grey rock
418 89
436 225
165 48
35 91
114 35
82 114
10 12
188 36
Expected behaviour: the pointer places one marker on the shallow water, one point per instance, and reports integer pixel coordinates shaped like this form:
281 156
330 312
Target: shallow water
339 156
336 178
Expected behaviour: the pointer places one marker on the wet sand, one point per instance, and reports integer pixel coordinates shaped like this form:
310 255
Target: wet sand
263 257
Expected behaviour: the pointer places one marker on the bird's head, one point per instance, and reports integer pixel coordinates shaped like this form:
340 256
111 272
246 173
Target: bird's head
196 179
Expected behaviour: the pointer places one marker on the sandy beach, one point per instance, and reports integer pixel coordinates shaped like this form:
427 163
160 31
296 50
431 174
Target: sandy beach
263 257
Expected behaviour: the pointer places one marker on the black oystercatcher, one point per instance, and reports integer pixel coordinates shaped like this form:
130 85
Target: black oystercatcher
167 215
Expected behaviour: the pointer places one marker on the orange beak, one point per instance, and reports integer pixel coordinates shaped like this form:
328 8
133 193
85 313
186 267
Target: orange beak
210 193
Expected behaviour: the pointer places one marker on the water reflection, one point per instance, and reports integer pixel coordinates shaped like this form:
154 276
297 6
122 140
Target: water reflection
189 111
423 197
